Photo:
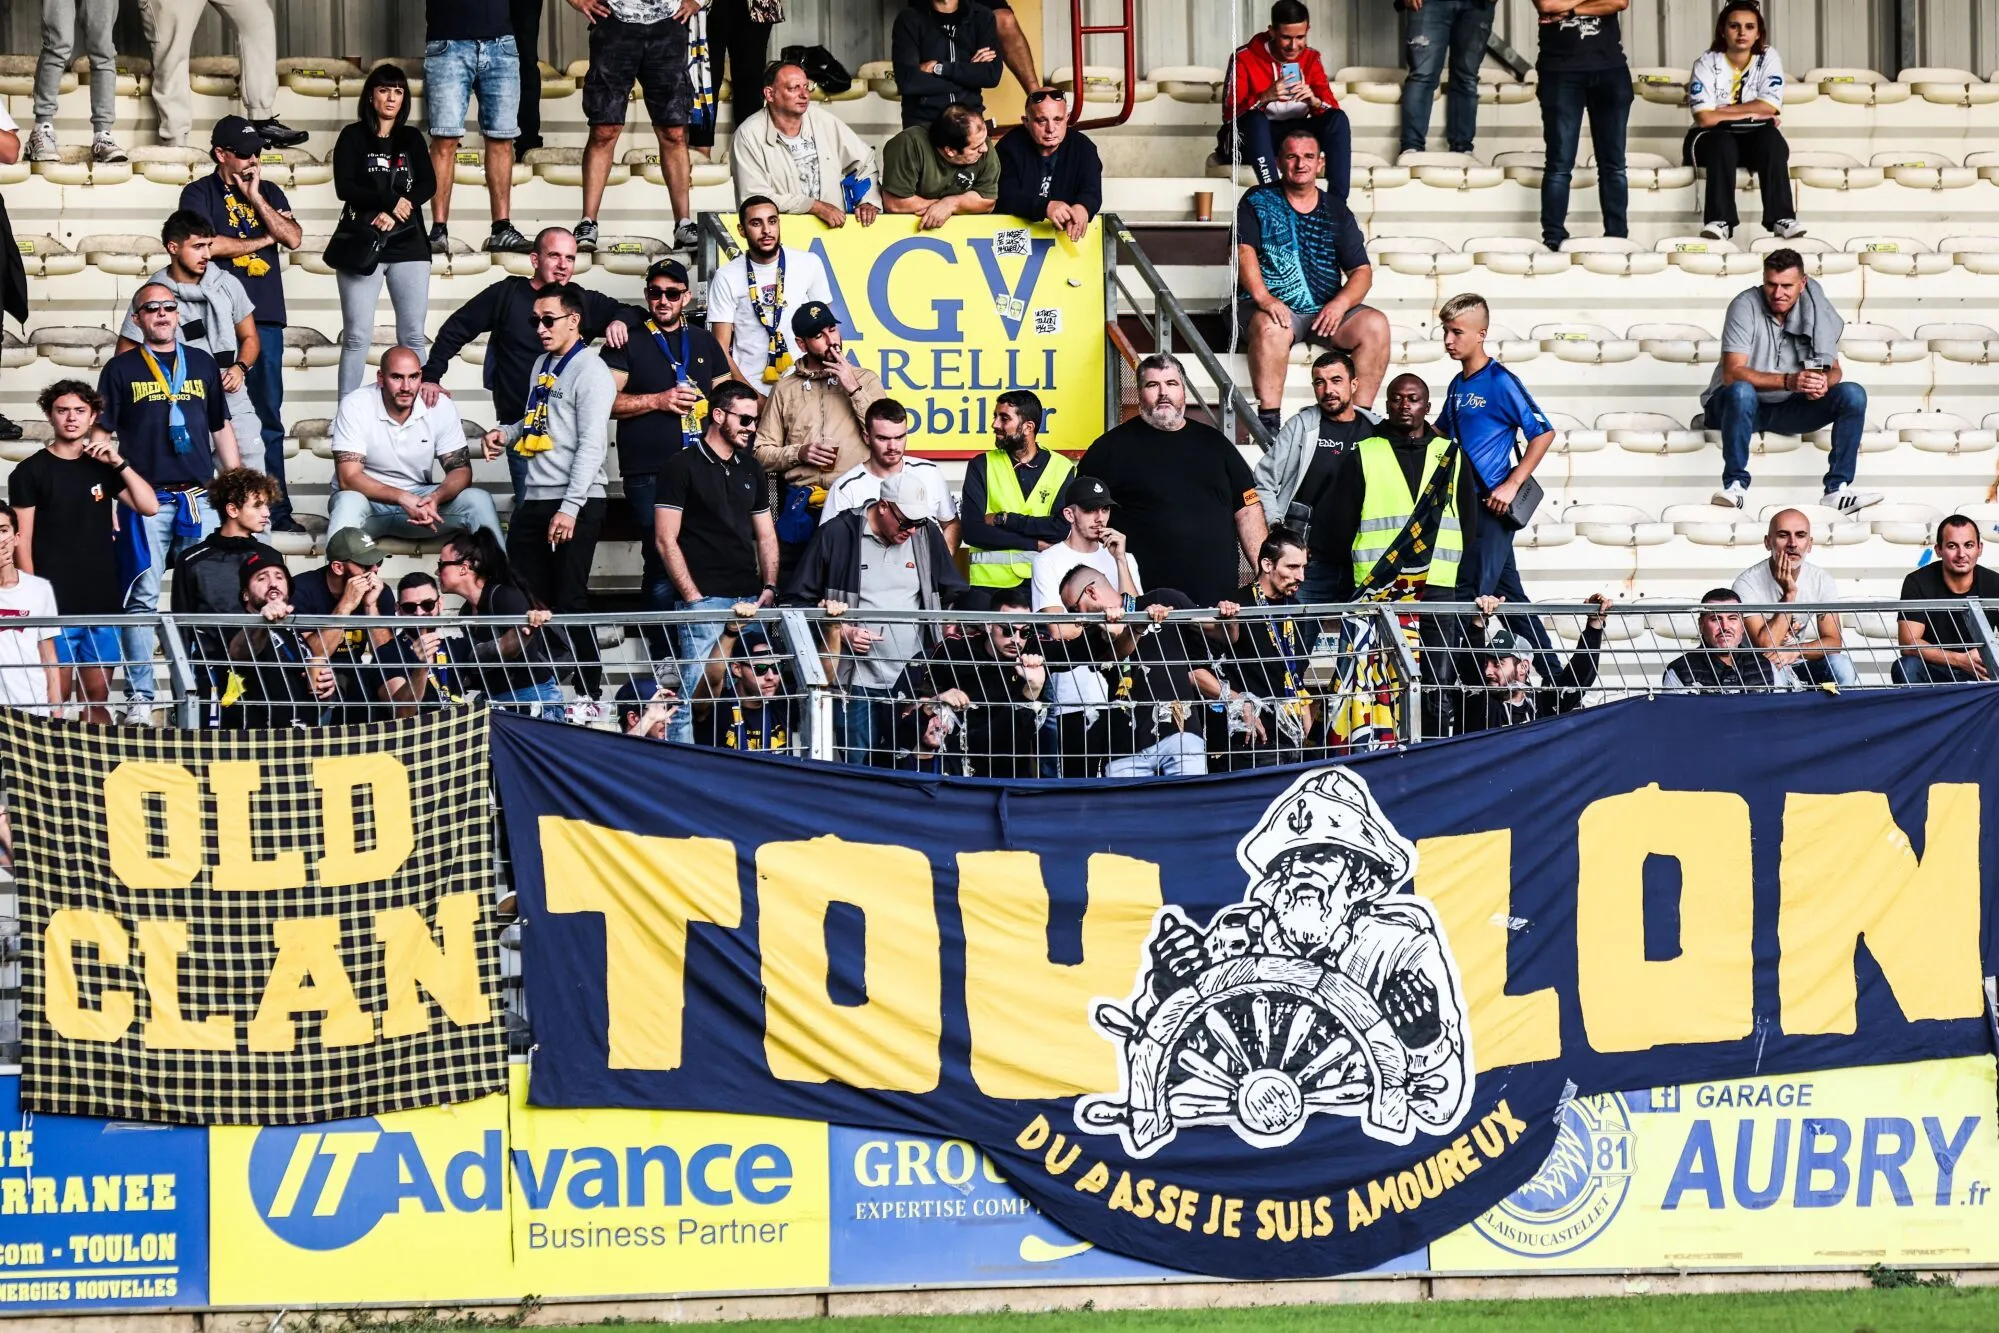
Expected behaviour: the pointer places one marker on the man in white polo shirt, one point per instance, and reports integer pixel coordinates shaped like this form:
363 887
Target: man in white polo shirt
386 444
925 492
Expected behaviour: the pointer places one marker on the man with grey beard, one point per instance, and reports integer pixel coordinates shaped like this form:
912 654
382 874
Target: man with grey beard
1185 499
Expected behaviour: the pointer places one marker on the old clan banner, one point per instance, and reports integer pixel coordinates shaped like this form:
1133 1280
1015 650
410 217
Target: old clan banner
1272 1024
255 927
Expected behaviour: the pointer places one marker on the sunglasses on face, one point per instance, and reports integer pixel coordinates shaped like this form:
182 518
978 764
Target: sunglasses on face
418 608
155 307
907 524
550 321
1015 631
446 564
742 418
762 666
665 293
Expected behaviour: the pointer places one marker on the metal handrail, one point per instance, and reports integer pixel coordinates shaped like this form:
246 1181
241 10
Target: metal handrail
1120 244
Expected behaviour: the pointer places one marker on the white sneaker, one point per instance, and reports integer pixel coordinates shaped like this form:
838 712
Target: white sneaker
1787 229
1849 501
42 145
104 148
1716 231
588 713
139 713
1733 495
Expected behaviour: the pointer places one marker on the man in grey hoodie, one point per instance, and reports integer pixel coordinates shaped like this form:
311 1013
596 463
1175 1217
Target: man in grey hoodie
562 434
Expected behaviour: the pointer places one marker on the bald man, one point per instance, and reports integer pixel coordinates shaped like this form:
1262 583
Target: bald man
388 445
1805 647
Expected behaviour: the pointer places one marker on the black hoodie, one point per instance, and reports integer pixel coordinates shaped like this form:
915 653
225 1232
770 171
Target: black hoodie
922 34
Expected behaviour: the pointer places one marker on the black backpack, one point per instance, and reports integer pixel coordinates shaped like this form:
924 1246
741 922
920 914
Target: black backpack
820 66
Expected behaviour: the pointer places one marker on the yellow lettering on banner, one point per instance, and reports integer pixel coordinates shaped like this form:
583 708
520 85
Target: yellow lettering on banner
412 959
163 943
649 890
1706 993
1848 875
1031 1036
1469 879
237 869
891 1041
69 927
388 783
132 861
308 978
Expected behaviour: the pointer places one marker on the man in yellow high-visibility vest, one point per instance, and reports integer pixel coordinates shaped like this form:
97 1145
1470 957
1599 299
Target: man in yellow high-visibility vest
1012 497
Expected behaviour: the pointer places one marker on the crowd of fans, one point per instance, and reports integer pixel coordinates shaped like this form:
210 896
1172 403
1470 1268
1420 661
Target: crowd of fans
764 468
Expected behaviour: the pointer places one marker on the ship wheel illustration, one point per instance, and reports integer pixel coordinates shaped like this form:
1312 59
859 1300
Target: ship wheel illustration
1259 1043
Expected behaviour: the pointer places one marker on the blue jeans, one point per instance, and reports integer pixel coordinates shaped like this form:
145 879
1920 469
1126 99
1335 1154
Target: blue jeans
655 588
864 729
1181 754
1459 28
1322 585
470 508
266 386
541 699
1606 95
696 642
1913 670
1738 414
1259 146
1489 570
454 72
140 640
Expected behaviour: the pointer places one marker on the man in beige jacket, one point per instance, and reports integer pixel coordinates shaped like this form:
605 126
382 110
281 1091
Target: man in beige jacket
799 154
811 428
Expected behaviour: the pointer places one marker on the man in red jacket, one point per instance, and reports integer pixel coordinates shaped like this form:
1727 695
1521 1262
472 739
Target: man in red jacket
1275 79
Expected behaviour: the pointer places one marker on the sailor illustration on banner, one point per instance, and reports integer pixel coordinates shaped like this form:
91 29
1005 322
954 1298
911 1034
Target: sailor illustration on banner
1329 989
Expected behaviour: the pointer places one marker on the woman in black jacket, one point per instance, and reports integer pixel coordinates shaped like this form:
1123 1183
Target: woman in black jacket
381 171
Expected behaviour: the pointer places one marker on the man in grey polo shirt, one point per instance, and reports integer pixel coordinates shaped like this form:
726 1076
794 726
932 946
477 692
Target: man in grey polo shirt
1780 373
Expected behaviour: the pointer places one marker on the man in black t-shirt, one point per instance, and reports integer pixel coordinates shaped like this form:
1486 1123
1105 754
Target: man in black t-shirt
63 502
995 677
1274 719
1186 502
1943 646
1299 478
418 666
1582 69
270 679
663 372
1160 680
740 702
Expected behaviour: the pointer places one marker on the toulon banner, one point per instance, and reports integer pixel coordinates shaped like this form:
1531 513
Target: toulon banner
1274 1024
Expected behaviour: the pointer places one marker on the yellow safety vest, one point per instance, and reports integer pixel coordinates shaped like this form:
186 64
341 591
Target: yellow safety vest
1385 512
1005 569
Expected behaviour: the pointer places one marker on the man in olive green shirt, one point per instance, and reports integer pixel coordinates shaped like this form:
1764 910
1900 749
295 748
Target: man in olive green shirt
941 170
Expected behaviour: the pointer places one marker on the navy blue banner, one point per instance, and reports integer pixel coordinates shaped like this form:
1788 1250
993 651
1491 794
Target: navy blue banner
1276 1024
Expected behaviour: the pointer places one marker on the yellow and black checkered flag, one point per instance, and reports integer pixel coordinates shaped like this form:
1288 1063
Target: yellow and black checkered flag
255 927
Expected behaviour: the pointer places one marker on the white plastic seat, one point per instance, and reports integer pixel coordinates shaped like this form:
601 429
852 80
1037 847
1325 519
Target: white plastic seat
1102 83
1718 529
1420 256
74 166
1371 171
460 260
1651 171
1499 87
1450 171
879 76
1873 439
127 256
294 168
1879 344
1545 534
1986 515
1949 87
46 257
1973 254
79 347
1904 523
1407 347
1188 83
1679 344
1941 432
1708 258
1924 169
1501 344
1650 433
468 167
1589 344
1902 255
1373 83
1614 256
1527 166
215 76
320 76
1971 344
1834 171
1858 87
1575 436
15 352
630 256
315 436
1985 163
703 169
1664 85
564 167
1517 256
1616 525
164 164
1822 258
308 348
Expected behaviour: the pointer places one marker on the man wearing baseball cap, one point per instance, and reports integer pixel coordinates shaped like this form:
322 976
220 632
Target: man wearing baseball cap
811 432
1508 672
348 584
662 373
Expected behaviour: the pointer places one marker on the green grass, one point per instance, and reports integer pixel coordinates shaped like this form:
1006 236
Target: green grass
1971 1310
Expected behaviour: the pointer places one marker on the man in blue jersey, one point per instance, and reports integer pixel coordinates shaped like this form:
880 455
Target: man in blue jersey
1489 411
1304 269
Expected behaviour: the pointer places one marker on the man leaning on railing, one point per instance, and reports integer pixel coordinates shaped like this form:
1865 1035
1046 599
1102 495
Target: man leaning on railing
1939 647
1725 663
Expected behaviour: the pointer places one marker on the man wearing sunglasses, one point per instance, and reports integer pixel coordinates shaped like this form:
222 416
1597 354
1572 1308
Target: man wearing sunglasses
994 679
1050 173
741 702
875 559
414 668
662 374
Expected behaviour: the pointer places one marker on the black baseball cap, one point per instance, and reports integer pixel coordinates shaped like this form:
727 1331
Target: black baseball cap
669 268
752 640
238 135
812 319
256 561
1088 493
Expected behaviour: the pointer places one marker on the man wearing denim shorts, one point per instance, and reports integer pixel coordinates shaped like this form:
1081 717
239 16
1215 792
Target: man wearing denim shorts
469 51
642 41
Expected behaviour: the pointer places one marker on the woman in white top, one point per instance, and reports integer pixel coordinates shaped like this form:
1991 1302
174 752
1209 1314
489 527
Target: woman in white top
1737 95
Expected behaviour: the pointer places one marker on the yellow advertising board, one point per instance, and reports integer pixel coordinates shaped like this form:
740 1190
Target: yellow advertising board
952 318
494 1199
1893 1164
